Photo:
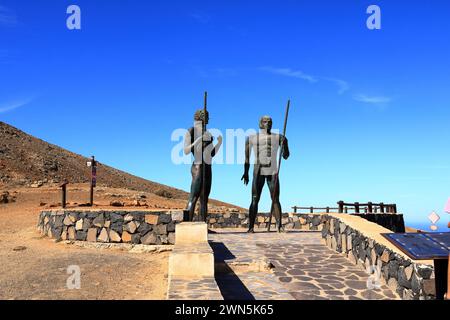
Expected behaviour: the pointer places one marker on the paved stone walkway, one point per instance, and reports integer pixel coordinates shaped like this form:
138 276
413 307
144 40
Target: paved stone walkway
202 288
293 265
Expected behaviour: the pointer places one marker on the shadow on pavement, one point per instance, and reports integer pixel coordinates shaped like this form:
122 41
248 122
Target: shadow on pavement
230 286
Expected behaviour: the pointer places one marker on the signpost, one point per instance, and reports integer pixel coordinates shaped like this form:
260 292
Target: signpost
63 193
93 165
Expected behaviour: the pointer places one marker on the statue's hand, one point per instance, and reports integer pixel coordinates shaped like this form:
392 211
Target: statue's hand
207 136
219 139
245 178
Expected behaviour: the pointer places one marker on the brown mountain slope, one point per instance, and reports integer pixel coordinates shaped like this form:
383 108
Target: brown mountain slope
25 160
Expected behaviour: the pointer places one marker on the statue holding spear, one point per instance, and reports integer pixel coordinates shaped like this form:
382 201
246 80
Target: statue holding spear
265 146
199 142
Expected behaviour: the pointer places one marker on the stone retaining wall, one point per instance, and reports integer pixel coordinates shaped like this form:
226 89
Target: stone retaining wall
302 221
299 221
144 227
410 279
138 227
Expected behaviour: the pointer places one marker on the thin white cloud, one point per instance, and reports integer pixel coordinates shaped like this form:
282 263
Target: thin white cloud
7 17
288 72
372 99
6 107
343 85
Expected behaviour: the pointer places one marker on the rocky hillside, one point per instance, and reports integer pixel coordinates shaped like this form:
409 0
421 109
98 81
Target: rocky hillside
26 161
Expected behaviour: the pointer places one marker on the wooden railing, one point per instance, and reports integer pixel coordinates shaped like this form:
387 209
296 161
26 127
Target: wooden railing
356 207
369 207
312 209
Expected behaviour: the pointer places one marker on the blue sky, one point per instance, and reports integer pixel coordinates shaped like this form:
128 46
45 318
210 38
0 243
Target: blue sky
369 121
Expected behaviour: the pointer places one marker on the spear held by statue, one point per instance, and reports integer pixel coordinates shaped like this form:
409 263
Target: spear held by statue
275 189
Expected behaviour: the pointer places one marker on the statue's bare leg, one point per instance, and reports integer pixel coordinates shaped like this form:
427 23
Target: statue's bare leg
204 205
275 195
195 190
257 186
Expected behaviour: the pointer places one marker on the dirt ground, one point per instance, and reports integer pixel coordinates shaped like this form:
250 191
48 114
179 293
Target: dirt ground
35 267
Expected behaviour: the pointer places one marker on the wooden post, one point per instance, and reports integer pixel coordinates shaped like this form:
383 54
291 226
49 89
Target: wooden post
328 209
381 207
346 209
356 207
440 274
295 209
394 207
311 209
93 165
370 207
91 196
340 206
376 209
447 295
63 194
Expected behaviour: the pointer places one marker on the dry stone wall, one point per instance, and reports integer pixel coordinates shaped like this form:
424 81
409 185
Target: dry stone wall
137 227
143 227
297 221
409 279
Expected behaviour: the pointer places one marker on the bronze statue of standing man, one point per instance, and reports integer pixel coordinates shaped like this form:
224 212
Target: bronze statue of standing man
197 141
265 145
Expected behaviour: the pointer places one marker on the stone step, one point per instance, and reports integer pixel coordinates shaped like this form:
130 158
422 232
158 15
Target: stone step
191 264
192 260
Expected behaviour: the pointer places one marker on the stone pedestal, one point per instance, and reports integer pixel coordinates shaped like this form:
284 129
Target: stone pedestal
191 264
191 260
192 256
191 232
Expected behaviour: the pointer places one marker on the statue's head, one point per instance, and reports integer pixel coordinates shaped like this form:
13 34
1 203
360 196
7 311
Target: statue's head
199 115
265 122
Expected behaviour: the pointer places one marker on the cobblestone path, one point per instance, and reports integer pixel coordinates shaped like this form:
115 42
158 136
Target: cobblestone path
293 265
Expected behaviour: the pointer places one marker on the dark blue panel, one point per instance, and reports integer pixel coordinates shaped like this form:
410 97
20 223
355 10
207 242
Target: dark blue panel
421 246
443 238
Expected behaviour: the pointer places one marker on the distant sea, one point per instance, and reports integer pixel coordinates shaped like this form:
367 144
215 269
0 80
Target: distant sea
423 225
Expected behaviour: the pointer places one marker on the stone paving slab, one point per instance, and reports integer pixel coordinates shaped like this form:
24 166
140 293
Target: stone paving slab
188 288
304 268
252 286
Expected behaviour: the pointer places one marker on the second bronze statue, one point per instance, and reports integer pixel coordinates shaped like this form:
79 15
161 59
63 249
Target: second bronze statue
265 145
193 144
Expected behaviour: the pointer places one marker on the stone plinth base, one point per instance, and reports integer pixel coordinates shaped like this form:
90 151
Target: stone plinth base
191 233
192 260
192 256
